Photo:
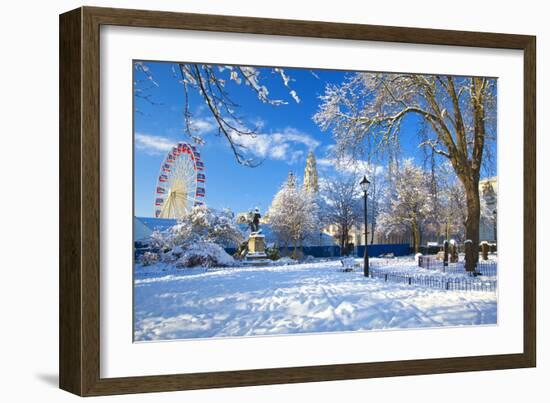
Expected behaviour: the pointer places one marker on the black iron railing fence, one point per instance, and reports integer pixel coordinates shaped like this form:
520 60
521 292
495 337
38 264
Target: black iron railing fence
484 267
439 282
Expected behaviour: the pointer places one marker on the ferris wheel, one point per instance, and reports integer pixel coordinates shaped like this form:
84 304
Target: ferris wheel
181 182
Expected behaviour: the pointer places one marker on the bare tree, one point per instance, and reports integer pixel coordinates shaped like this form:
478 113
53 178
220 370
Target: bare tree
460 112
409 206
293 214
341 205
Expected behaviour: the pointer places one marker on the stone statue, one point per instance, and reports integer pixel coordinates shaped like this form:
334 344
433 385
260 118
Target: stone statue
254 221
256 240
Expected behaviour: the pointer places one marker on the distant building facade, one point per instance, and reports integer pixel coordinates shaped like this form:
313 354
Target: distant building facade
488 190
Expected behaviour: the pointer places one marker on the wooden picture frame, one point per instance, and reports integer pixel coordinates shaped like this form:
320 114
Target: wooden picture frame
79 346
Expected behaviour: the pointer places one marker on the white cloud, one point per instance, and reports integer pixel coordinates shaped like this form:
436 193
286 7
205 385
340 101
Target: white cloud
279 151
287 145
291 134
201 126
350 166
153 144
347 163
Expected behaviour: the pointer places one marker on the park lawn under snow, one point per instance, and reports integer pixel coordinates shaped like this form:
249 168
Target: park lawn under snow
301 298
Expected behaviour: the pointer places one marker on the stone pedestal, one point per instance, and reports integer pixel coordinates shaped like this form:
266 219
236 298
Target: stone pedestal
256 248
256 243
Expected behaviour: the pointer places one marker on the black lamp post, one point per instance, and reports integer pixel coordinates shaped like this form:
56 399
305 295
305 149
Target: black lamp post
365 187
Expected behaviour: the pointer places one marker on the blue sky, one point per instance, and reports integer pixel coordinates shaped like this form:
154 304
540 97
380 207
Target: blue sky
288 134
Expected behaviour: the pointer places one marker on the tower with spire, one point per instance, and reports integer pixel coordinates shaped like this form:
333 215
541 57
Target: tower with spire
311 181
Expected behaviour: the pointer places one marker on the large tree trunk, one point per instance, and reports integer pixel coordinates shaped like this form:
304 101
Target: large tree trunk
472 220
374 212
416 237
343 238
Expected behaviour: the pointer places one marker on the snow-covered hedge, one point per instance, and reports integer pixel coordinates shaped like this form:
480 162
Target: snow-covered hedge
149 258
205 254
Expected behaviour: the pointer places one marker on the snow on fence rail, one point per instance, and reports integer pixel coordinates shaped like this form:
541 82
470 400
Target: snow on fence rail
486 268
439 282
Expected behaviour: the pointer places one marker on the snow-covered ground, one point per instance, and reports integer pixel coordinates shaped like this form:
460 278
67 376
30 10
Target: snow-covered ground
299 298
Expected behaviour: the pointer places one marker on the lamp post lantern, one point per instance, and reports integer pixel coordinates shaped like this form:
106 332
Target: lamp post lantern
365 187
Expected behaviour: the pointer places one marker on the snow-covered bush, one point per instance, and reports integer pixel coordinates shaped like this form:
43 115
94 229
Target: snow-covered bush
205 224
199 238
205 254
148 258
159 241
272 253
172 254
241 250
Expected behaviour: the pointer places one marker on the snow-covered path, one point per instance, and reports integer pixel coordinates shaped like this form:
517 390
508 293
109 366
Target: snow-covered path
305 298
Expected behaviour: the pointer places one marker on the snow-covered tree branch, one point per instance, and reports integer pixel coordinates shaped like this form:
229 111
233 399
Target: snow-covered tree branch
212 83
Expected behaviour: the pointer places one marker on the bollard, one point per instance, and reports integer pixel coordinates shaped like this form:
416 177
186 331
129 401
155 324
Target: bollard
454 251
485 250
445 253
